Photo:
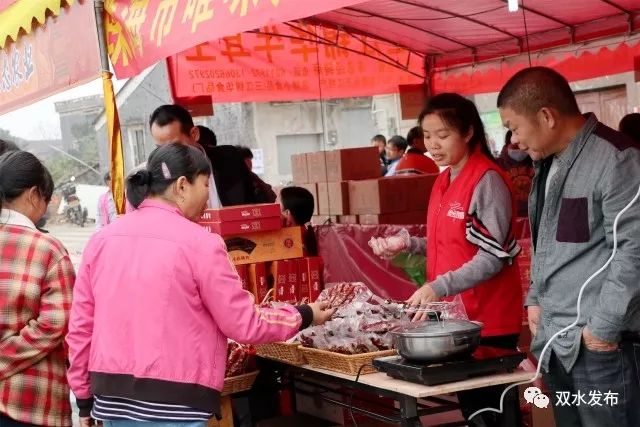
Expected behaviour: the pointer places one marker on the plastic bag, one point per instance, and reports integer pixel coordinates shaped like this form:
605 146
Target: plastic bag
414 266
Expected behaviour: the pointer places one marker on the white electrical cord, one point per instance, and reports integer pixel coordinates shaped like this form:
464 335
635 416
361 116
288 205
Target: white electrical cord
575 323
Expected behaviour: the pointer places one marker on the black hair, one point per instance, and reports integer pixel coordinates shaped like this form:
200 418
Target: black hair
415 133
7 146
166 164
379 138
107 176
461 114
300 203
20 171
207 137
534 88
167 114
630 126
245 152
399 142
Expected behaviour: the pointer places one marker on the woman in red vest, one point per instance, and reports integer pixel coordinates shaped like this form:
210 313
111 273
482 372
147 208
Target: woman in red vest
470 247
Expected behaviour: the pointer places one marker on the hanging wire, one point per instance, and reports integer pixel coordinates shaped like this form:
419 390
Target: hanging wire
526 32
364 14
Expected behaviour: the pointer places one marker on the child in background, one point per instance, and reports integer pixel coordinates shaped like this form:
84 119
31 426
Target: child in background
297 208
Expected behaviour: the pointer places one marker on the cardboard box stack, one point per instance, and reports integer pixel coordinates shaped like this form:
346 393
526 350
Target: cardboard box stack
348 188
266 255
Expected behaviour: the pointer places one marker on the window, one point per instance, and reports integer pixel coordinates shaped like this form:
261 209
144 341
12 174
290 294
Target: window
136 142
295 144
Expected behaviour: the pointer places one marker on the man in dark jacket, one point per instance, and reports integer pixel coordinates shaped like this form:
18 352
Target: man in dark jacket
262 191
233 182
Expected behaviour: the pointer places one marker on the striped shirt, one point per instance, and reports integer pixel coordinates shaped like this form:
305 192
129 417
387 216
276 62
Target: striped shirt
116 408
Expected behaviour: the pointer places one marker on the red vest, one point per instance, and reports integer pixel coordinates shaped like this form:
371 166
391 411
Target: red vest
497 302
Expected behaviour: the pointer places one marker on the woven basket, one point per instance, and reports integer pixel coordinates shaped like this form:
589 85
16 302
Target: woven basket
344 363
238 383
288 353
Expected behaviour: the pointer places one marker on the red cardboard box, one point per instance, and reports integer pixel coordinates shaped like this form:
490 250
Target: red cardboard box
417 217
233 228
299 169
352 163
280 273
315 268
293 282
241 213
303 280
333 198
259 280
243 273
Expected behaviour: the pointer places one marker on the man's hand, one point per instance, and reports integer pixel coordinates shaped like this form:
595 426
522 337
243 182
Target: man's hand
591 342
419 300
86 422
321 312
533 314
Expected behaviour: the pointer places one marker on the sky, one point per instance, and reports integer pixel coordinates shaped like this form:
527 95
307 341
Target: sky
40 120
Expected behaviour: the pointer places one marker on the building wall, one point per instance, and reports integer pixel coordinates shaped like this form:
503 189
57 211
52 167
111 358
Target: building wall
75 114
282 129
134 114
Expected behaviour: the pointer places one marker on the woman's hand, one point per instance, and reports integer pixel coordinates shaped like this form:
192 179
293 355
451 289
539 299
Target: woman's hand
388 247
419 300
321 312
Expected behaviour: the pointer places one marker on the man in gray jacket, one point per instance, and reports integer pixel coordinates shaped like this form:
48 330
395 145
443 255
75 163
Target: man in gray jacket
585 174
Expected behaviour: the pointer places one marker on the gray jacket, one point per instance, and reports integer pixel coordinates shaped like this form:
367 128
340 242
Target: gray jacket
597 176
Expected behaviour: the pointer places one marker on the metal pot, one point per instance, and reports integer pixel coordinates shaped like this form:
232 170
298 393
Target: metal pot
437 341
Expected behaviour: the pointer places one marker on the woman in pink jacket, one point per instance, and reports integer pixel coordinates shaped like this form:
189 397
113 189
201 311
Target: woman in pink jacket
156 299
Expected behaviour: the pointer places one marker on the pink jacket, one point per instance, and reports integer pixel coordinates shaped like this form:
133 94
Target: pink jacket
154 302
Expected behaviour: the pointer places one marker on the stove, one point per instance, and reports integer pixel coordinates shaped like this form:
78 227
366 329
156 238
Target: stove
484 361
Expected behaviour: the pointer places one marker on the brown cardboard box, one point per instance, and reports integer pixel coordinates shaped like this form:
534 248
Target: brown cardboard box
416 217
377 196
317 166
259 280
323 219
299 169
285 243
235 228
348 219
333 198
313 189
241 213
352 164
390 195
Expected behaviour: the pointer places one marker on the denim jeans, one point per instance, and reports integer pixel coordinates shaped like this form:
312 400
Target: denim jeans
609 382
127 423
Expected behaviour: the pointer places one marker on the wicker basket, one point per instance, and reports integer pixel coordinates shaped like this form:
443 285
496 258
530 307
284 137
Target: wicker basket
288 353
238 383
344 363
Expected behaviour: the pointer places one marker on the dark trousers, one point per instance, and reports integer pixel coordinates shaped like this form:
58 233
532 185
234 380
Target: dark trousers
489 397
9 422
596 375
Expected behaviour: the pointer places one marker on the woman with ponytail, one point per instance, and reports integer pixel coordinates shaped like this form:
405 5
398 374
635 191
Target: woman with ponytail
470 247
36 281
156 300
